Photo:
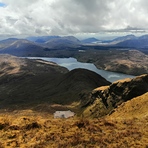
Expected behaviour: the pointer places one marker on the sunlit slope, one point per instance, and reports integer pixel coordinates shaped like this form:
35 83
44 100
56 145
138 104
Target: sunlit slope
135 108
103 100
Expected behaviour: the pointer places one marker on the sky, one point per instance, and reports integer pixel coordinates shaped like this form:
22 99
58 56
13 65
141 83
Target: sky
81 18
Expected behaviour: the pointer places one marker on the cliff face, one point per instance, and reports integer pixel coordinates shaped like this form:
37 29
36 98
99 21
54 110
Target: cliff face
105 99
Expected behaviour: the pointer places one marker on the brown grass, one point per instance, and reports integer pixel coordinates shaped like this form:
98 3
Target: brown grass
135 108
34 130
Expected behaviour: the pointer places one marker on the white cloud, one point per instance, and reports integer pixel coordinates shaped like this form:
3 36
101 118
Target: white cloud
57 17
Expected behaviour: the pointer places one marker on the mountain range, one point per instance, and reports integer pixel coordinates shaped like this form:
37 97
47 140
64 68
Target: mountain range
128 41
41 39
112 56
66 42
20 47
34 47
62 43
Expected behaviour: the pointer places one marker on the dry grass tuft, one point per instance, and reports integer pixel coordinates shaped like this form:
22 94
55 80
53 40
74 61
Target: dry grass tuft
36 131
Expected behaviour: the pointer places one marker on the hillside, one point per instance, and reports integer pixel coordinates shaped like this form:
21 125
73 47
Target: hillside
135 108
125 61
40 84
104 100
62 43
139 42
26 83
20 47
32 129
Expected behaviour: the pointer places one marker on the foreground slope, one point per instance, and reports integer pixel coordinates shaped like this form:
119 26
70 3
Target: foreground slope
135 108
33 129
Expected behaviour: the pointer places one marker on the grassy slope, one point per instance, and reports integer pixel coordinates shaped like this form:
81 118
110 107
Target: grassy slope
126 127
106 98
29 129
135 108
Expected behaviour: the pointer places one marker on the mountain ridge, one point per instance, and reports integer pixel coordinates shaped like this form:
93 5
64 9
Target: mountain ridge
137 42
90 40
111 58
134 108
105 99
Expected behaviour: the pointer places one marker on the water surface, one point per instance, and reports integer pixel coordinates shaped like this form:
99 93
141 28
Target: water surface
72 63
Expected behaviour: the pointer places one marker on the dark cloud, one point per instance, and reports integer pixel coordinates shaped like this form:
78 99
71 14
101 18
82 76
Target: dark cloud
81 15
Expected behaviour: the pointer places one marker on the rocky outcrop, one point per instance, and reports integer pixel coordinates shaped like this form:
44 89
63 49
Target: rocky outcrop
105 99
134 108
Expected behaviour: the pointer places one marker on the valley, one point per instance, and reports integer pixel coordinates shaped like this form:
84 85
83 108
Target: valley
107 114
73 74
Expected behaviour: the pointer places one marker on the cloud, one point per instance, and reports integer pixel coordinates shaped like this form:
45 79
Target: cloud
64 17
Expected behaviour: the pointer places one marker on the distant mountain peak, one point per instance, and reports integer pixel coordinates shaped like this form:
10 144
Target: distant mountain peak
63 42
144 37
135 42
123 38
41 39
90 40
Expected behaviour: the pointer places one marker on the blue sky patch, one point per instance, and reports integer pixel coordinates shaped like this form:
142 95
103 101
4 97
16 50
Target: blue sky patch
2 4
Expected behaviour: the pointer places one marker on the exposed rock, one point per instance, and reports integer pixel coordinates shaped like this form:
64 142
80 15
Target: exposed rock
105 99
